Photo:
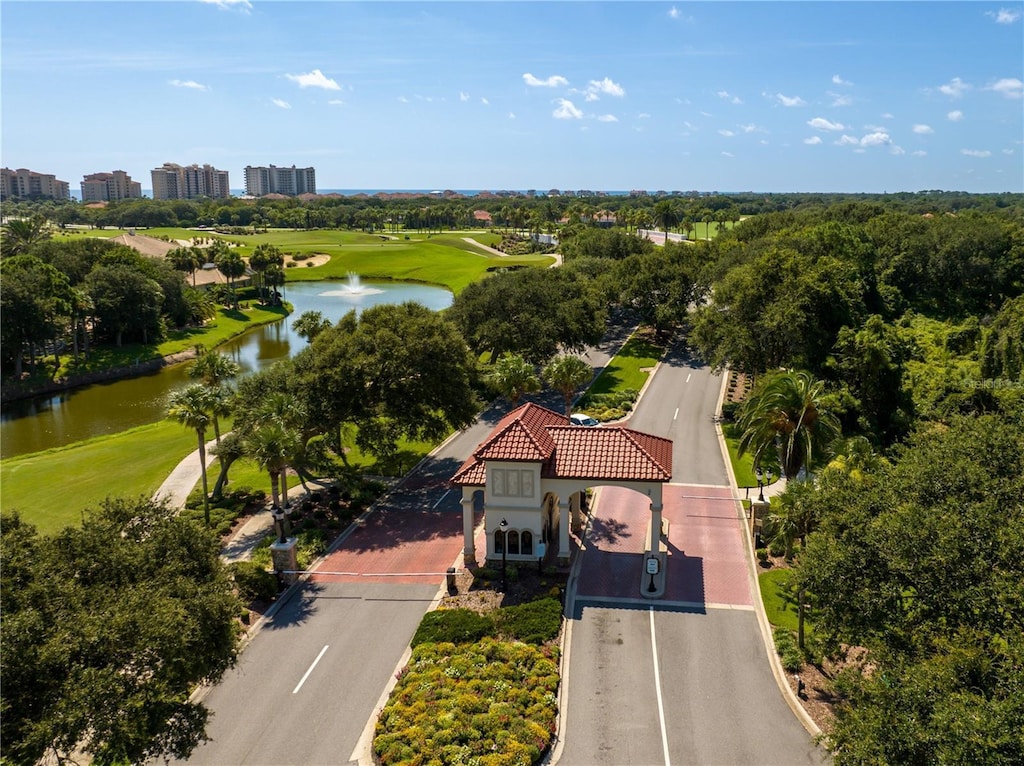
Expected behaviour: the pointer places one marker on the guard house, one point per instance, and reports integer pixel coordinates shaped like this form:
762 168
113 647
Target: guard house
533 472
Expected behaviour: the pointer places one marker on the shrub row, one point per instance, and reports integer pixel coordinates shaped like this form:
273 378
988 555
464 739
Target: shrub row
535 622
789 652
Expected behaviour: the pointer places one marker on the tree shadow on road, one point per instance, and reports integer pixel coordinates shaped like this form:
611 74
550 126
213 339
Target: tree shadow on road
607 530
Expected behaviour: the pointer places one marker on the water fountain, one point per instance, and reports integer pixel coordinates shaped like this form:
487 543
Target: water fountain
353 288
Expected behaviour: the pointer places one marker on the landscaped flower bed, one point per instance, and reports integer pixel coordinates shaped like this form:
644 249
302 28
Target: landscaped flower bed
490 703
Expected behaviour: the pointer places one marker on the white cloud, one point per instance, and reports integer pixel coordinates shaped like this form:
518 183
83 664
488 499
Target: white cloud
511 115
955 116
920 153
554 81
607 118
847 141
463 96
673 13
887 116
751 128
955 88
840 99
976 152
590 96
1004 16
336 102
607 87
820 123
280 102
923 129
728 154
724 94
189 84
403 100
878 138
314 79
837 80
1007 151
726 133
566 110
874 128
897 150
484 101
1010 87
239 5
643 116
813 140
790 100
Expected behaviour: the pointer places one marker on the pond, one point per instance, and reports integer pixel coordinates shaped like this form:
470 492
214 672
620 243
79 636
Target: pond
105 408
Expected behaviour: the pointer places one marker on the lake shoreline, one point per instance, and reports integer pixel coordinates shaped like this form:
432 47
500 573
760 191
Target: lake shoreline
13 391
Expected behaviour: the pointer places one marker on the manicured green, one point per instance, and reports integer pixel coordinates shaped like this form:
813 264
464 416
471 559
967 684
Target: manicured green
780 606
630 368
51 488
442 259
742 466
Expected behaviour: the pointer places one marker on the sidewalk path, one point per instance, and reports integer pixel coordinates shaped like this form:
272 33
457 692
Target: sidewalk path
183 479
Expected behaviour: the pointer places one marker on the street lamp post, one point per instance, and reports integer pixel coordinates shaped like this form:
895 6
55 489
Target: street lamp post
504 548
764 477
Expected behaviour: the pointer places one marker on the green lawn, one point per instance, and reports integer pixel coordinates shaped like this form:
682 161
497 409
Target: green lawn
780 605
629 369
443 259
742 467
51 488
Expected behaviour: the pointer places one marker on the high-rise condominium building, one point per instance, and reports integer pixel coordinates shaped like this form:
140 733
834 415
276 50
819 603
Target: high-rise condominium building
104 187
173 181
27 184
274 180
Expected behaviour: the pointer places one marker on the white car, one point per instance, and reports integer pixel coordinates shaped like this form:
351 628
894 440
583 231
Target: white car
582 419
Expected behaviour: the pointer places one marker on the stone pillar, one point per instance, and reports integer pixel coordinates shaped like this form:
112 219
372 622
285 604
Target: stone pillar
468 544
758 512
285 559
576 512
563 532
654 544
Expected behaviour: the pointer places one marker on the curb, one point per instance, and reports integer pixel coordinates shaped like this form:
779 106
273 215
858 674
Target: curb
762 619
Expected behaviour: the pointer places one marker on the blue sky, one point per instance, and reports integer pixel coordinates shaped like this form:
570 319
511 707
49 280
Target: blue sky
759 96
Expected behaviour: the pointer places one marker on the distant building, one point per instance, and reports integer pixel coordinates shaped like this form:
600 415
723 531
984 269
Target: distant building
109 187
28 184
173 181
293 181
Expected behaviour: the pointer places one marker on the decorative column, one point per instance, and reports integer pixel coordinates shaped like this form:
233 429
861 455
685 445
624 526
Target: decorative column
468 545
563 532
655 542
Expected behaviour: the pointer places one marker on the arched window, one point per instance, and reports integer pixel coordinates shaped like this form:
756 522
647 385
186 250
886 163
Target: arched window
526 541
513 543
499 541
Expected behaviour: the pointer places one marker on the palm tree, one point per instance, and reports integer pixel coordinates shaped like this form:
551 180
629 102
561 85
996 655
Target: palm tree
228 450
231 265
20 234
565 374
185 259
263 257
786 413
270 445
513 376
191 407
665 216
212 369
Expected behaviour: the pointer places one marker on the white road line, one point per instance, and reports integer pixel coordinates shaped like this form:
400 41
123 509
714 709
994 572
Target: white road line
676 415
434 506
318 657
657 689
689 375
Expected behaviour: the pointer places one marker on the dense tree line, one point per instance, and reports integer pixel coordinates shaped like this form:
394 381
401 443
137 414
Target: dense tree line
108 628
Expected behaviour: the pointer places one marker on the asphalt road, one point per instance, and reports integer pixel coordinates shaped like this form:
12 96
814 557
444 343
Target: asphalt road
304 689
685 679
704 703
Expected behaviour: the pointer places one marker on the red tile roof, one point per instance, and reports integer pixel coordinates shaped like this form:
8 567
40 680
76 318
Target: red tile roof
532 433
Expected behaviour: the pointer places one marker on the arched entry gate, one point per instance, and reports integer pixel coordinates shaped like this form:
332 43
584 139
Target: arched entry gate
534 469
